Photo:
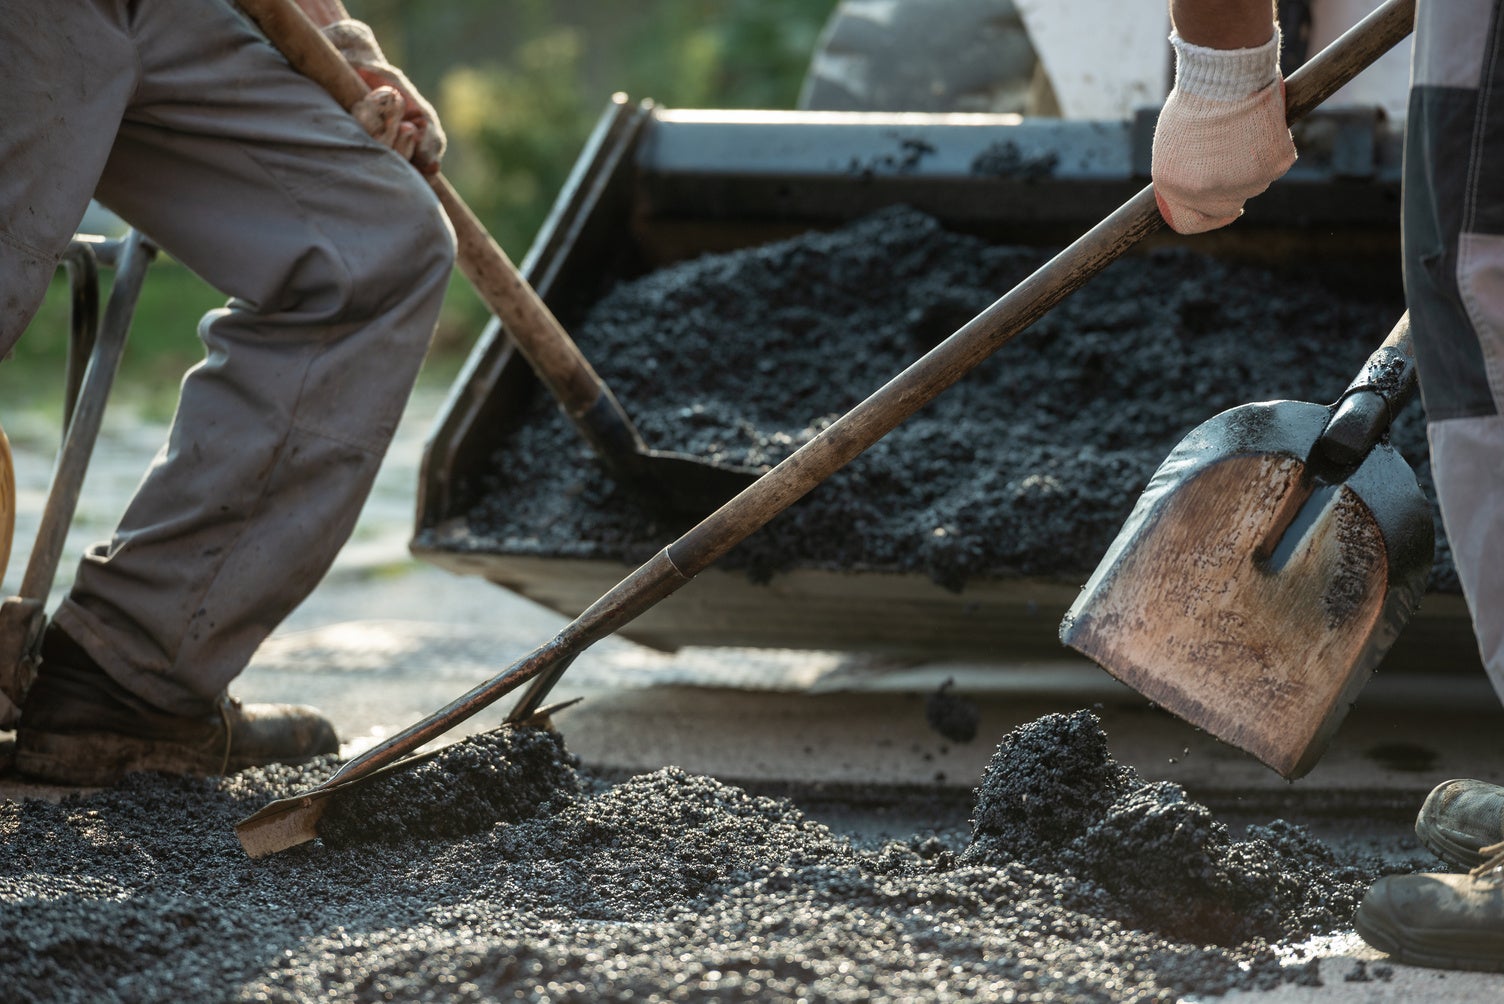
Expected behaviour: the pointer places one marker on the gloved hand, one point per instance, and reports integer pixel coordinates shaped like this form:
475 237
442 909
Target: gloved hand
1221 137
394 112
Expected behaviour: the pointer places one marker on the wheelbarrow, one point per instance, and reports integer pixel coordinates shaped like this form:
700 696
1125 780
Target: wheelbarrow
96 343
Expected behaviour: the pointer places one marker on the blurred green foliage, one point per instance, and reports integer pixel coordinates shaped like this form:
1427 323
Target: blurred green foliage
521 105
519 85
161 346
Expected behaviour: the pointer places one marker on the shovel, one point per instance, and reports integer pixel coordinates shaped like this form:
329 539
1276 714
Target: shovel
294 820
1266 570
672 481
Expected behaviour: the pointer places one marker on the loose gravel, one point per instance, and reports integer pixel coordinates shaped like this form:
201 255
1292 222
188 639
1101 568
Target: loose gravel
1077 881
1027 467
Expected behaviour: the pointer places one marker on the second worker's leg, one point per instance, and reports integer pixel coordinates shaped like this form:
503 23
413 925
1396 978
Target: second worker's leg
1454 282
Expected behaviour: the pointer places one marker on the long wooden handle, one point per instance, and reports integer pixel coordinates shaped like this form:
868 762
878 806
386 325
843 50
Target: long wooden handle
1398 377
938 369
859 428
553 355
943 365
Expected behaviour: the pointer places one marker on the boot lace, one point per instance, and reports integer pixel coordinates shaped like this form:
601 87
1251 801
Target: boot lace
1493 858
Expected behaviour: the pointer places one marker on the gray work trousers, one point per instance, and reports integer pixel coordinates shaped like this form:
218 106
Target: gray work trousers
1454 284
334 255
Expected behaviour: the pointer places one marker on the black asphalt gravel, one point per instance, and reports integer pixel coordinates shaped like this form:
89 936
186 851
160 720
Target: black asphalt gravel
1077 881
1027 467
502 869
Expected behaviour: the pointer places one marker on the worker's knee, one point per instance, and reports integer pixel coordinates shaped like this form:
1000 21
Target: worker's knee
375 245
403 259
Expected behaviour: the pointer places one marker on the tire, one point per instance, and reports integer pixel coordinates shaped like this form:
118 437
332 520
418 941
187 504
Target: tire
925 56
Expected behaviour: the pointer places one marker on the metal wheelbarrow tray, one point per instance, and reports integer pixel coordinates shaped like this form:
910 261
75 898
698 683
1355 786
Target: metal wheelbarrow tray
654 187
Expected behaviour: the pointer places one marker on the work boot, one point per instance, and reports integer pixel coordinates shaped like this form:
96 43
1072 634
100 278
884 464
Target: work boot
80 727
1459 819
1442 921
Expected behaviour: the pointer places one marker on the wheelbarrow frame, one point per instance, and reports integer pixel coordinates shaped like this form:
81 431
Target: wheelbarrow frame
96 345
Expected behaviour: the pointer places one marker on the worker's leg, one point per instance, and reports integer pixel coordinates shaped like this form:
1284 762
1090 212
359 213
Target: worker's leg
1455 284
336 257
1454 281
69 70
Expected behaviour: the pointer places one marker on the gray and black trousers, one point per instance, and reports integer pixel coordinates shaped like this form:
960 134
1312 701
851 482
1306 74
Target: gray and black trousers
1453 224
333 255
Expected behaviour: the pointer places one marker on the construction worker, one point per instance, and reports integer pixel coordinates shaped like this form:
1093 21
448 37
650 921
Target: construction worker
1221 140
335 255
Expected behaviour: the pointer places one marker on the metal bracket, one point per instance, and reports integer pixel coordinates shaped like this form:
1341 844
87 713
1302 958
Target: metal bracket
21 623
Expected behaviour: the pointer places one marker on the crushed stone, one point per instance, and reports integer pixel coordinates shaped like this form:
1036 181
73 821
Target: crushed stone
951 715
1077 882
1027 467
499 776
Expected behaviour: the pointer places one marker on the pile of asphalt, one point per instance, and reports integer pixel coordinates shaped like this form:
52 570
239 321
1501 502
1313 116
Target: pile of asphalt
1077 882
1027 467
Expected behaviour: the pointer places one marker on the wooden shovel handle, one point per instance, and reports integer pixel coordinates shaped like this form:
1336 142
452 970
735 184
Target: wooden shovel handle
859 428
1390 370
937 370
943 365
1366 410
1332 68
1398 339
553 355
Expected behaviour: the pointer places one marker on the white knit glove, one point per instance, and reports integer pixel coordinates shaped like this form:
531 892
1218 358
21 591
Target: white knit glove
394 112
1221 137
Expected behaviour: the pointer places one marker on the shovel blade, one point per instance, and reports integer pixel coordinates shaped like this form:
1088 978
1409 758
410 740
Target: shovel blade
294 820
284 823
1263 646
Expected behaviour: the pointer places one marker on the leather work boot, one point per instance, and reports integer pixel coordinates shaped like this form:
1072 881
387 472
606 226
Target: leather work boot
1460 818
1442 921
80 727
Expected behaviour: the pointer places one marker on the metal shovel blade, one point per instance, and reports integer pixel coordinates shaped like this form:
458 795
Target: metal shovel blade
1250 598
294 820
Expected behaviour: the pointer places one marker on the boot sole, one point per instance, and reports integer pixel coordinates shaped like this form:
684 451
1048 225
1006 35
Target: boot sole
1489 959
1438 843
1436 840
100 759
